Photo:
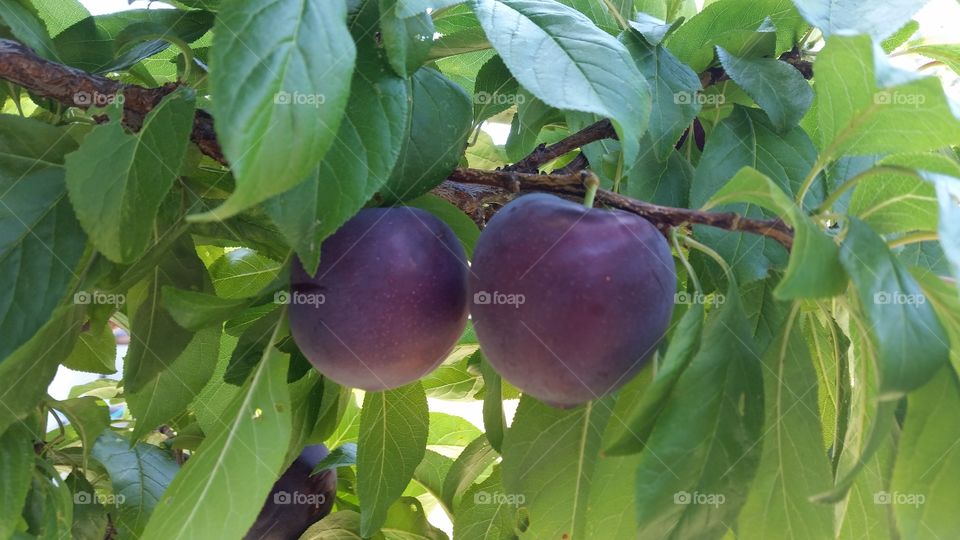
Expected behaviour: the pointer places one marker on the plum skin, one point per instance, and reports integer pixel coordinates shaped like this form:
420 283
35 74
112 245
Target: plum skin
394 289
598 293
280 518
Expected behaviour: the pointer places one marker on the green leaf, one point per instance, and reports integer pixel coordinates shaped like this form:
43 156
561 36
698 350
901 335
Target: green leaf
90 43
58 15
41 242
156 340
16 464
409 8
793 465
465 228
475 458
928 461
407 40
24 23
949 55
776 86
864 106
494 421
896 202
344 455
95 350
139 474
429 474
242 273
195 310
948 196
747 139
486 512
278 68
451 431
89 417
251 444
549 456
718 401
558 55
392 442
900 37
829 351
852 17
342 525
911 343
527 126
495 90
731 24
49 510
440 122
120 215
814 270
642 418
358 164
89 520
171 392
674 88
29 370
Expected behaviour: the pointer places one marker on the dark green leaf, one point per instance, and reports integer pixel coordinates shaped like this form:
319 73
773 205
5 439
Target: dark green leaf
407 40
475 458
41 242
195 310
88 416
776 86
911 343
242 273
495 90
280 68
392 442
23 22
549 456
718 401
28 371
170 392
487 512
16 464
793 465
674 88
494 421
120 215
139 474
441 121
558 55
250 444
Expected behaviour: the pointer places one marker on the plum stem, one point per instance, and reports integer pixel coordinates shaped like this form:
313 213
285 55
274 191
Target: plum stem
592 184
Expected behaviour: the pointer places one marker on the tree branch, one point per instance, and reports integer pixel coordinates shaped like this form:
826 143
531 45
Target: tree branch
471 190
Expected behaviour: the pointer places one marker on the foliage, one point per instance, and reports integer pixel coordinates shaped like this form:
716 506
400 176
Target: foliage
808 392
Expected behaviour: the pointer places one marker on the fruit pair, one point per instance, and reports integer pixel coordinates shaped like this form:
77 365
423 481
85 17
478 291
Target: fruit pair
567 302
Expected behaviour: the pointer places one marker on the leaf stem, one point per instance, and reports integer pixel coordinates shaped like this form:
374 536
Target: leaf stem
913 238
710 253
592 183
685 261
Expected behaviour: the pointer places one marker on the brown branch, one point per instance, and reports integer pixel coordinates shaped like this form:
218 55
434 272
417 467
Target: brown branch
662 216
471 190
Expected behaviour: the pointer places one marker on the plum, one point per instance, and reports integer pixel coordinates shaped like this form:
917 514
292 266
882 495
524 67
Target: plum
389 300
297 499
568 303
